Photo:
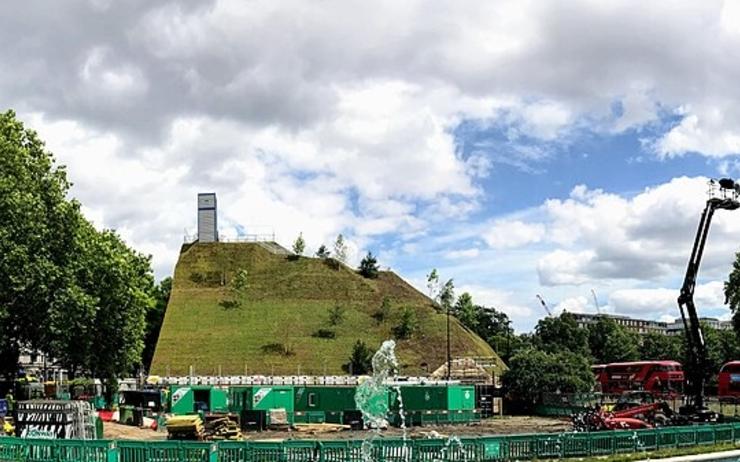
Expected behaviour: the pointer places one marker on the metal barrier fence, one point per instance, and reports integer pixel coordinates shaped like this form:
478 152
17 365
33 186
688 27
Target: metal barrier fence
566 404
486 448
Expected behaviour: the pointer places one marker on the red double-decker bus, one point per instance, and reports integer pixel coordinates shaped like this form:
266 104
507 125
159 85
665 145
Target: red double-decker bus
728 381
658 377
598 370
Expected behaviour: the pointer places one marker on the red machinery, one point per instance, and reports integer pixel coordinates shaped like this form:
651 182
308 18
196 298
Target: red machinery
626 415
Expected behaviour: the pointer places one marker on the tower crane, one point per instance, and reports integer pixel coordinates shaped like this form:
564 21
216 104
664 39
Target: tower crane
544 305
726 197
596 302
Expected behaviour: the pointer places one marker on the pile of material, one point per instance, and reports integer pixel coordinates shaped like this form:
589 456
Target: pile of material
219 428
465 370
319 428
185 427
279 419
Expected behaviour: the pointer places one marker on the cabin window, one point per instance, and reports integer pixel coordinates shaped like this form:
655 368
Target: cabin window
312 400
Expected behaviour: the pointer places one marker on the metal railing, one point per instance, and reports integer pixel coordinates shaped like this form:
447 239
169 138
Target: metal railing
269 237
483 448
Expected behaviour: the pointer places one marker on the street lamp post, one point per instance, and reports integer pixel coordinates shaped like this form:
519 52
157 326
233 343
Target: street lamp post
449 353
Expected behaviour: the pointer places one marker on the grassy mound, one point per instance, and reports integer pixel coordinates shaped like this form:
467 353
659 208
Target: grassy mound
278 324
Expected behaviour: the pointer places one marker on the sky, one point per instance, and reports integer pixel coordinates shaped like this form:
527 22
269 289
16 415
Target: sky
519 147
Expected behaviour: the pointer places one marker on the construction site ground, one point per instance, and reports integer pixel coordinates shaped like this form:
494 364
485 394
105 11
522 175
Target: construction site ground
495 426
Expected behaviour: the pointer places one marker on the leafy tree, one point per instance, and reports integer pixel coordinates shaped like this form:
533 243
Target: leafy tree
467 312
492 322
433 283
447 295
123 280
560 333
154 318
533 371
299 245
369 266
323 252
240 283
506 346
407 325
732 292
336 315
66 289
340 249
37 233
99 327
610 342
237 290
360 361
384 311
722 346
656 346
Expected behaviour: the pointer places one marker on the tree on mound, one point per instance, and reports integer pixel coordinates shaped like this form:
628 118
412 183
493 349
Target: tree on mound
299 245
360 361
407 325
369 266
323 252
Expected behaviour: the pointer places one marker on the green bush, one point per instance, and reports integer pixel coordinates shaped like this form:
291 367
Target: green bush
325 333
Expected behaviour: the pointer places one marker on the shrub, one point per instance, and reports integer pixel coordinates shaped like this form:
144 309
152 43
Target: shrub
336 315
325 333
361 359
277 348
383 312
407 324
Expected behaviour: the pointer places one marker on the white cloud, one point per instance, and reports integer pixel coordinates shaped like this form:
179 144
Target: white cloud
601 235
472 252
561 267
513 233
344 120
704 130
657 303
579 304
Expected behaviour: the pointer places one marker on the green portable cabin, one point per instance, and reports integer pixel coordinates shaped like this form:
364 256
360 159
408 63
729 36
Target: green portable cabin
461 398
240 398
194 398
254 403
269 397
317 404
433 405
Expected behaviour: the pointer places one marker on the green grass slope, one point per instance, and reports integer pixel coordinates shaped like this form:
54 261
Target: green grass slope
286 302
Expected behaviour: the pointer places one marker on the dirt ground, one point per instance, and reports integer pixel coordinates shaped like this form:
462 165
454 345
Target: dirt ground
495 426
116 431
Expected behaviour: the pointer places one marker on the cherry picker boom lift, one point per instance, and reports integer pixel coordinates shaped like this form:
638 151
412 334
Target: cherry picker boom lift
725 197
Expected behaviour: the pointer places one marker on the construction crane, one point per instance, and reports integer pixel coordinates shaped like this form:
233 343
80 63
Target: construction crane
544 305
596 302
725 197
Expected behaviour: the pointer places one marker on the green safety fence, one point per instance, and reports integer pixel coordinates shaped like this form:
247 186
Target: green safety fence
485 448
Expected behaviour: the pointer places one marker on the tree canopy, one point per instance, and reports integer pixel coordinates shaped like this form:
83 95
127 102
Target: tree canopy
732 292
466 311
560 333
369 266
66 289
299 245
610 342
532 372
